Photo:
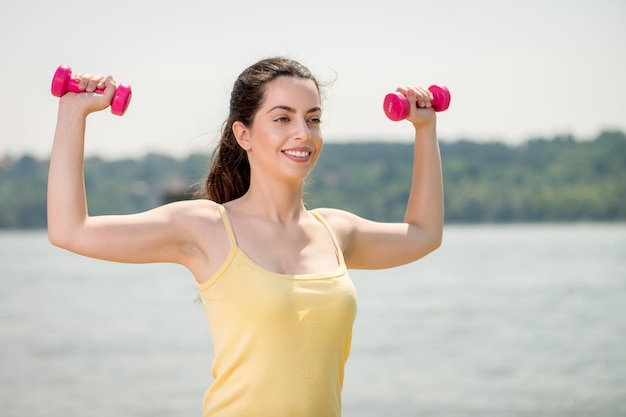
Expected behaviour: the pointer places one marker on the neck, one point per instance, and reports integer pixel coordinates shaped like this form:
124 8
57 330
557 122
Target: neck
277 202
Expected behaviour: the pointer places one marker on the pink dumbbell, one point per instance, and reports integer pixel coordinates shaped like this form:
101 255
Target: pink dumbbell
396 105
62 82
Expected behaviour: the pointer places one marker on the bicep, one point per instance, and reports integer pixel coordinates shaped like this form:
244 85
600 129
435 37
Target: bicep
369 244
157 235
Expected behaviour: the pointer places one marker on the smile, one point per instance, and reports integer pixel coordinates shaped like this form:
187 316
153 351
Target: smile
298 154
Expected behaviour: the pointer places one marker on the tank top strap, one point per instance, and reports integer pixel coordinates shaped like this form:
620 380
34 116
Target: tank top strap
228 226
331 232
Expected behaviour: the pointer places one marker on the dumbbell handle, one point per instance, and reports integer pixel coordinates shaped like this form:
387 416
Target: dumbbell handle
72 87
62 83
396 105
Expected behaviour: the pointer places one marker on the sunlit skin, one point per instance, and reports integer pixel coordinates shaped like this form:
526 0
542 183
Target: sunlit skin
283 144
271 222
285 139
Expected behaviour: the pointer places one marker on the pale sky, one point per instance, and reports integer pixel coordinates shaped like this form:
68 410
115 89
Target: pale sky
516 69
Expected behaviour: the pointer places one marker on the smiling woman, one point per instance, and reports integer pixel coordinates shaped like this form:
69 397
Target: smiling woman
272 274
229 177
279 130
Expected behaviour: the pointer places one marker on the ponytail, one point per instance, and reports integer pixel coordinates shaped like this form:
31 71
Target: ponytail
229 176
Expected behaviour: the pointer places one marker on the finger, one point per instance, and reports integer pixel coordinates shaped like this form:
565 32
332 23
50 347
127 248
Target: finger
94 82
83 80
102 83
402 90
411 96
424 97
109 86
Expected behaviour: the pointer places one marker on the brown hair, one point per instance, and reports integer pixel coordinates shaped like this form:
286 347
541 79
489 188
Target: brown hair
229 175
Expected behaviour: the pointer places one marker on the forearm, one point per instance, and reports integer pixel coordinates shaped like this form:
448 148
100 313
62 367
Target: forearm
425 206
67 206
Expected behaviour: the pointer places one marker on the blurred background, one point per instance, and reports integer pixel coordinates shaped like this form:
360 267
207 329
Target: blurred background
515 69
519 313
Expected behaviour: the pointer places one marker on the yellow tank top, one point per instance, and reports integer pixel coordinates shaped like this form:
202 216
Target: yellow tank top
280 341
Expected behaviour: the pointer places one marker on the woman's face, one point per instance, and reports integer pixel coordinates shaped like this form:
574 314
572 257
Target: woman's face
285 138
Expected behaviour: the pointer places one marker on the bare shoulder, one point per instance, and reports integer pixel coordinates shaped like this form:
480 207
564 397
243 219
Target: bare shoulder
333 214
198 207
196 214
338 218
342 222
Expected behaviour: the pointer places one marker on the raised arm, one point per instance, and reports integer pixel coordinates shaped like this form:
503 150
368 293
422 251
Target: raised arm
373 245
164 234
425 205
67 204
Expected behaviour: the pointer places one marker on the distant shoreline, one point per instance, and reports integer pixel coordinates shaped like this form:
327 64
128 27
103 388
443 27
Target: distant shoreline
542 181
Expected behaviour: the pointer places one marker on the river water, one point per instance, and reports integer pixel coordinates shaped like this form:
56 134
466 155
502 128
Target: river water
502 320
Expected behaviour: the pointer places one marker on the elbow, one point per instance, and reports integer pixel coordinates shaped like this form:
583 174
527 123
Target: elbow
57 238
434 242
437 243
438 238
431 241
423 244
64 233
435 236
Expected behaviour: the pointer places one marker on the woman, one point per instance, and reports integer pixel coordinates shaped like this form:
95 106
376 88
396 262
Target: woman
272 275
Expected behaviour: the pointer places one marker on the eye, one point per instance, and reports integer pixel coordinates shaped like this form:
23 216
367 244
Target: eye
315 120
281 119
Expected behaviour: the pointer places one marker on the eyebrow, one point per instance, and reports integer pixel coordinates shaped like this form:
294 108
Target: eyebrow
292 110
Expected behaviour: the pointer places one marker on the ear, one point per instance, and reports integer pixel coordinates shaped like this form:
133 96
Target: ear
242 134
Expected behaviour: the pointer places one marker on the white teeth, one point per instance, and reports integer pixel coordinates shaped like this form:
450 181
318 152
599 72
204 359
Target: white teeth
299 154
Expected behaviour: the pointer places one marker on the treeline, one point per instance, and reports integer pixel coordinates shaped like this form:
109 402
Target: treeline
557 180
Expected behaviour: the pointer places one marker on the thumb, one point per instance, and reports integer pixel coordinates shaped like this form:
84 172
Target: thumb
109 88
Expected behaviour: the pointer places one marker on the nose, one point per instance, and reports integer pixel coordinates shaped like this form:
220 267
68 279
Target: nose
303 131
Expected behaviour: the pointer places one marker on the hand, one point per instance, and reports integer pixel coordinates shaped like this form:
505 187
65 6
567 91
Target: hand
421 112
98 92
